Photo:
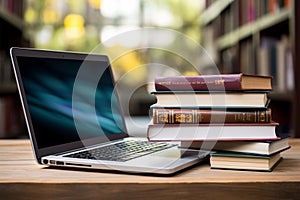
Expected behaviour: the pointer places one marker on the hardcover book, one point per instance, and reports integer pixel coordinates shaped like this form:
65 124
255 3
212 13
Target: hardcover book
212 132
244 161
216 99
214 82
196 116
268 147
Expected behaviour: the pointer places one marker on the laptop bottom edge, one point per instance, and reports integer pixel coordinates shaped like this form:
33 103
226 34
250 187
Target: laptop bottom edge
139 165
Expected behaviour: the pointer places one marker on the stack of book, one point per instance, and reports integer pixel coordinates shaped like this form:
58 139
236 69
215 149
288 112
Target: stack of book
203 112
256 155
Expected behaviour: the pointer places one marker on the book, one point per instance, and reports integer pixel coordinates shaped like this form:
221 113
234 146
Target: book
244 161
212 132
268 48
216 99
214 82
267 147
195 116
229 59
246 57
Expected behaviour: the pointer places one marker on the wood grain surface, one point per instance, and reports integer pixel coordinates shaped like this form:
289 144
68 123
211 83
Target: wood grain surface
22 178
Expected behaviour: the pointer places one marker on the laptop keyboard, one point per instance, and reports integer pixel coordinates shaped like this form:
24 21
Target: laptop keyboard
122 151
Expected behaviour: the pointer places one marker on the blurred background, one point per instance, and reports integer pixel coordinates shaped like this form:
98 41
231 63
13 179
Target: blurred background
249 36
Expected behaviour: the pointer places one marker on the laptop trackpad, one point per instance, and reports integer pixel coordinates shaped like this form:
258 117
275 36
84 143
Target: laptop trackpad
168 158
168 153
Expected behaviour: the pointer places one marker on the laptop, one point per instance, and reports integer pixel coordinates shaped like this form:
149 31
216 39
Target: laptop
74 116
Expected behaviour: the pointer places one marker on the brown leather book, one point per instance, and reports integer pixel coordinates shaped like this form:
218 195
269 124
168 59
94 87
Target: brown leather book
195 116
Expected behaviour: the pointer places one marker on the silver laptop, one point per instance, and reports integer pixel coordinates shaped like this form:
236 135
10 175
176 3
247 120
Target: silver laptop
74 117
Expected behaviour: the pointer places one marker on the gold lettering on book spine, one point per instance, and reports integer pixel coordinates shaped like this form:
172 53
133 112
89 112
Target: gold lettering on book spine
244 117
262 116
194 82
219 82
183 117
189 118
248 116
165 83
162 117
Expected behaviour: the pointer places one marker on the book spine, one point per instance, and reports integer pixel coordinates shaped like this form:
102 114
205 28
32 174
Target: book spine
196 116
217 82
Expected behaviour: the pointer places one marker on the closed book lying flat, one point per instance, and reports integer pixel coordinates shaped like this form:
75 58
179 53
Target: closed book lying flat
268 147
244 161
198 116
212 99
212 132
214 82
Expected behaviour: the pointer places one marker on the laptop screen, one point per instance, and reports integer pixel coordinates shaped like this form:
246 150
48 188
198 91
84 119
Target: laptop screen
65 106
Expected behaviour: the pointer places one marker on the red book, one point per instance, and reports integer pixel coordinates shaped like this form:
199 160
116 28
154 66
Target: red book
214 82
272 6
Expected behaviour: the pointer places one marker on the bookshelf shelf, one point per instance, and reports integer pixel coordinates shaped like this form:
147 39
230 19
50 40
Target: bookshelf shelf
214 10
251 28
273 19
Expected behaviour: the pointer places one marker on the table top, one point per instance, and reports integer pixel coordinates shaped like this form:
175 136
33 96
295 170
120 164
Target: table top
17 166
16 157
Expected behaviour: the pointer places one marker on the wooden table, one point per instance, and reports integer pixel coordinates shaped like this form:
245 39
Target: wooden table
22 178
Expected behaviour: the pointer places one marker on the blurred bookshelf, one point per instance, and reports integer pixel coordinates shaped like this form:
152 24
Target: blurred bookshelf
259 37
12 28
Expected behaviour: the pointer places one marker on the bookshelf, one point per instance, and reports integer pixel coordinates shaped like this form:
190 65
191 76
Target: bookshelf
296 112
12 33
259 37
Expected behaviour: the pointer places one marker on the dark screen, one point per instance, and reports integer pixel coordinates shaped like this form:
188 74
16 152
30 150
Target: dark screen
49 90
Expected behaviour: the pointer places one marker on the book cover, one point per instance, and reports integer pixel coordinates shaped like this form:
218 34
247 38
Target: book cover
214 82
196 116
212 132
235 161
